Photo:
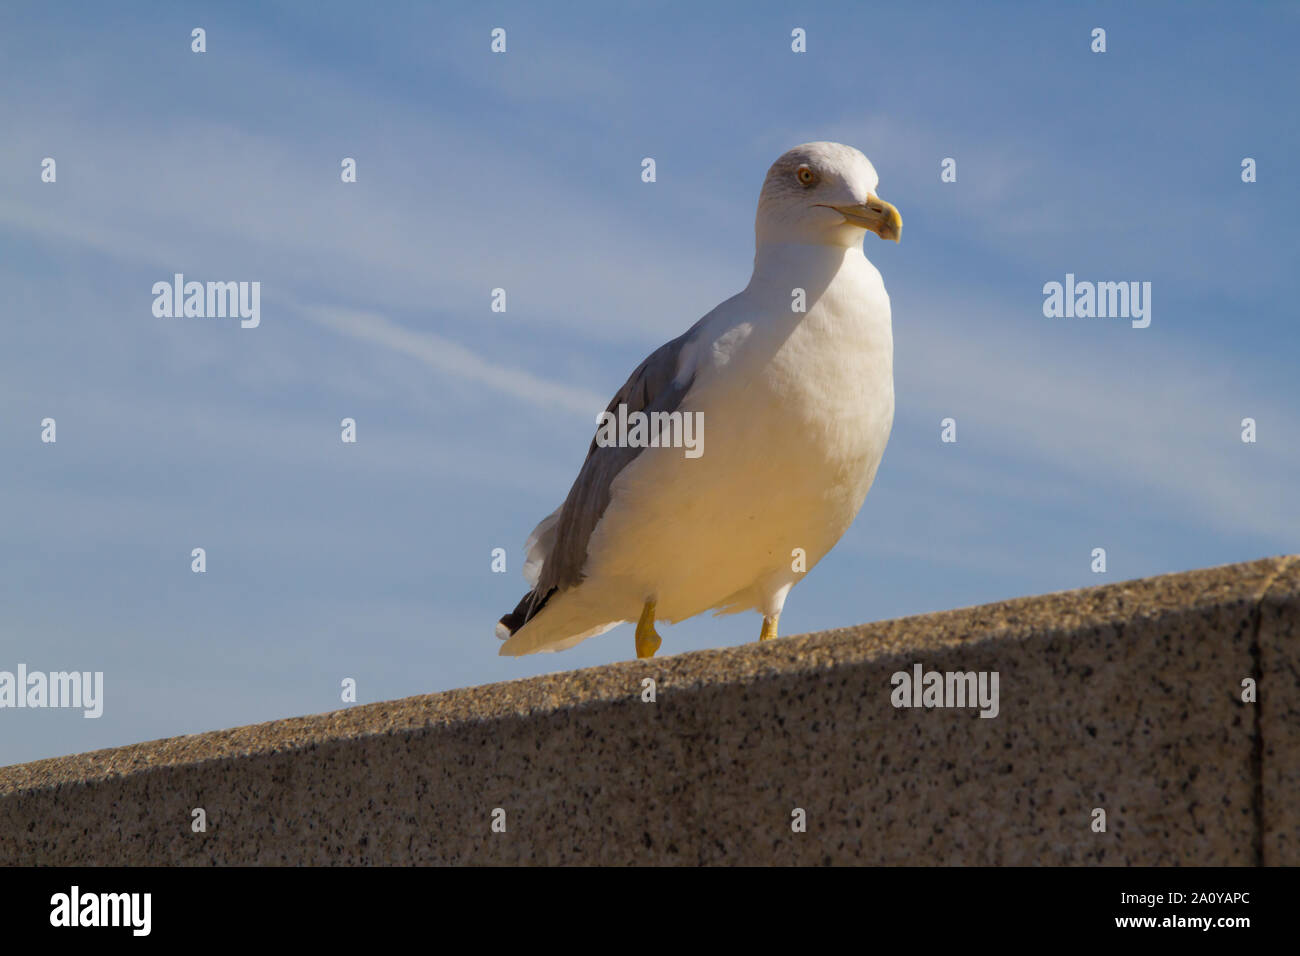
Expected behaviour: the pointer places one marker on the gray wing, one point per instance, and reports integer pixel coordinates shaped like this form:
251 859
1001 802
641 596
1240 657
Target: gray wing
651 388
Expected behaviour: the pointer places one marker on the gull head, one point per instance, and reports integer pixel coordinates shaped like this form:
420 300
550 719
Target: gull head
823 193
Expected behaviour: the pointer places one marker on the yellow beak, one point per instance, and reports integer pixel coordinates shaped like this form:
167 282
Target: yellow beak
876 215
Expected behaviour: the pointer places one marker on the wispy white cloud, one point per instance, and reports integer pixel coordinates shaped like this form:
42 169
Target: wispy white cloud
455 361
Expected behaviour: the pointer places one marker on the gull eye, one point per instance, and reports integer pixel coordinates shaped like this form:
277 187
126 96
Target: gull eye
805 176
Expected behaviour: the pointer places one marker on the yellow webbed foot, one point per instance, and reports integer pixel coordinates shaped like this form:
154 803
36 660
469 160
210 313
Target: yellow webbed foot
647 641
768 633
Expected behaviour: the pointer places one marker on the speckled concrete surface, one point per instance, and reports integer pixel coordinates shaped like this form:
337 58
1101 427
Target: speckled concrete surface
1125 697
1279 718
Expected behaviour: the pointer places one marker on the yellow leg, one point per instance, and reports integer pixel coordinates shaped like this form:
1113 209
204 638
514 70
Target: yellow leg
647 641
768 633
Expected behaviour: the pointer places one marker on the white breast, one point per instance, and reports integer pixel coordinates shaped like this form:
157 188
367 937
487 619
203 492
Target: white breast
797 410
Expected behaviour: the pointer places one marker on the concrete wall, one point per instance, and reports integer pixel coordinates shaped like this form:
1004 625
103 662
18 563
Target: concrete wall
1125 697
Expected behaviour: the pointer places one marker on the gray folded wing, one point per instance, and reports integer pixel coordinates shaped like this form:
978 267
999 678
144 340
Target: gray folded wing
653 387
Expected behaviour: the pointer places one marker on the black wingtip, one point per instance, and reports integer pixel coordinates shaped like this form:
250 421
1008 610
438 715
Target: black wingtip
527 609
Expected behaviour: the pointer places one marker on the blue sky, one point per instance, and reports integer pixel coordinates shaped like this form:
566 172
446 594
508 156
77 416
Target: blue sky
522 171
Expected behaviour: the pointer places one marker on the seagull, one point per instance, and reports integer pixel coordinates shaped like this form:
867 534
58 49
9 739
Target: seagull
793 378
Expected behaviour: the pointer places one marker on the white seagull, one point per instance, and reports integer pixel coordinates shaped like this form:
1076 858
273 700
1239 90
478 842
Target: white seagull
793 378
